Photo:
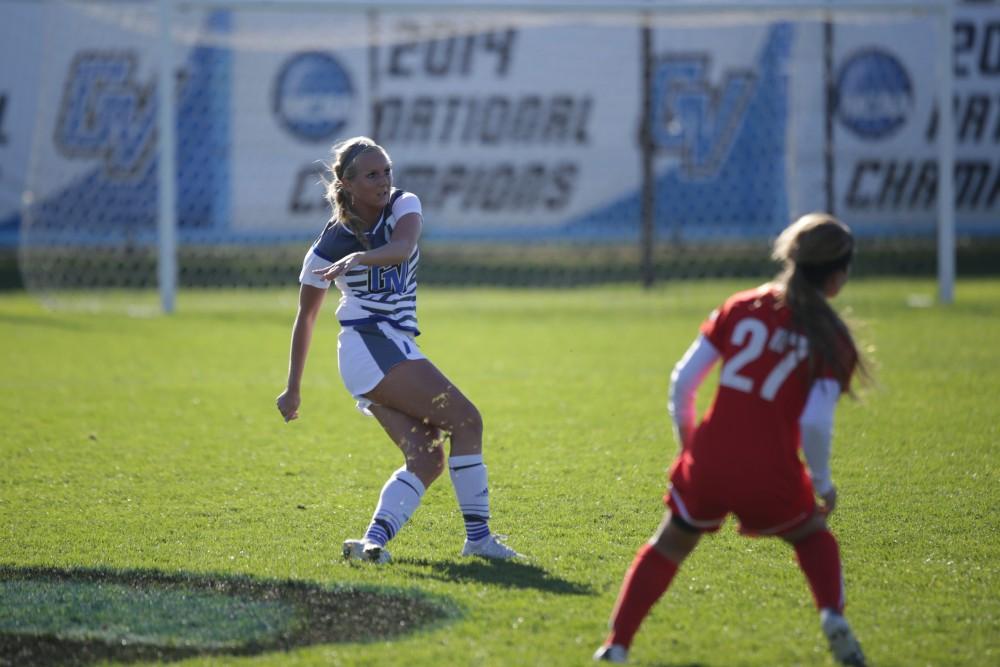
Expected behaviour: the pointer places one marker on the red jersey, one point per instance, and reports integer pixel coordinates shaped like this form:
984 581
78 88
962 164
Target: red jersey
745 450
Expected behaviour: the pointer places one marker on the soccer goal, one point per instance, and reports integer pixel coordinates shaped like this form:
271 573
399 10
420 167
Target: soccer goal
181 143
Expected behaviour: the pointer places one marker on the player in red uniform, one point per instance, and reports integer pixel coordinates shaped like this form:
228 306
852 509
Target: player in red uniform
786 358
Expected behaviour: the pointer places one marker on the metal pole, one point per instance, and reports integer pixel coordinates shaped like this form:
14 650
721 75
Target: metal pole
946 162
830 108
373 71
648 213
166 165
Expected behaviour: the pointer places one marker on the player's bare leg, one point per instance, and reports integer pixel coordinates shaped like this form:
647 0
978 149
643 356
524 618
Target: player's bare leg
422 447
419 390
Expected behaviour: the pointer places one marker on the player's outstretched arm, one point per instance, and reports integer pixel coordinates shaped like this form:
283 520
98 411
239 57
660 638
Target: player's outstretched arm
397 250
310 301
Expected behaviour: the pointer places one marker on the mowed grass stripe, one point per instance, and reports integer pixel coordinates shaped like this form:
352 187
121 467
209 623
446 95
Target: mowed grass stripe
153 442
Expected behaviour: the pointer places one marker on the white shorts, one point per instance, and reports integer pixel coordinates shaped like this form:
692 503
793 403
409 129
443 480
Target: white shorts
366 352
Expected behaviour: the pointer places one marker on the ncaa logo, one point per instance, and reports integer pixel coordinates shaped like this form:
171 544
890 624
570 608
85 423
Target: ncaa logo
313 96
874 94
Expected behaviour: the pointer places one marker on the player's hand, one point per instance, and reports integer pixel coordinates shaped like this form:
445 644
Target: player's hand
288 404
340 267
829 501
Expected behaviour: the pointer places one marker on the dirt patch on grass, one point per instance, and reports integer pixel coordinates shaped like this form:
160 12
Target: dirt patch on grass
79 617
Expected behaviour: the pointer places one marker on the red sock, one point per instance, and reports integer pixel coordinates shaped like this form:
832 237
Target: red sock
819 558
646 580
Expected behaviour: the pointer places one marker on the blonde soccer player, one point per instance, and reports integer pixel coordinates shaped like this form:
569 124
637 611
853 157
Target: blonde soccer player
369 252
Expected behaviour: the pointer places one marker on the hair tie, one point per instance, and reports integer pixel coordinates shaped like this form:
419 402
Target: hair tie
816 274
353 152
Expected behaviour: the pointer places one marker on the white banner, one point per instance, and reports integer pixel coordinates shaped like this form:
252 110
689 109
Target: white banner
523 125
887 122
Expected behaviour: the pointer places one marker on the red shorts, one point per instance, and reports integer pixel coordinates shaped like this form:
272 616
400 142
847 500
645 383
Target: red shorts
766 504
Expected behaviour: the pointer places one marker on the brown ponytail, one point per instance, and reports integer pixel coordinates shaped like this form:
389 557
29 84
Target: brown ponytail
345 155
811 249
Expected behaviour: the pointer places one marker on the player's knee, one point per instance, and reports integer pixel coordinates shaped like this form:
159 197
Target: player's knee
673 550
469 420
814 524
676 539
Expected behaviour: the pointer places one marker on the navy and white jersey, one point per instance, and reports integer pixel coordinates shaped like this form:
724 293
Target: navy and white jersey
369 294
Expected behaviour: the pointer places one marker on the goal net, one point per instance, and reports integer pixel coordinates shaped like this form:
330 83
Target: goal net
550 143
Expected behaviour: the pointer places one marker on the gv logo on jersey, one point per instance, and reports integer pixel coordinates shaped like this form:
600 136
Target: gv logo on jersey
105 113
313 96
388 278
693 118
874 94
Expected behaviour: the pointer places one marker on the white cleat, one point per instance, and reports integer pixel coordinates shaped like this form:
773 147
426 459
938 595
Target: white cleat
612 653
490 547
368 552
845 648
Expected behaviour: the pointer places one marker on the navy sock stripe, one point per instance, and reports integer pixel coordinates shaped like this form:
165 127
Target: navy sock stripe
476 528
377 530
387 526
471 465
376 534
400 479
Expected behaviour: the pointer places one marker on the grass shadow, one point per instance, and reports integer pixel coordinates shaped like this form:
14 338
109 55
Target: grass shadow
505 574
85 616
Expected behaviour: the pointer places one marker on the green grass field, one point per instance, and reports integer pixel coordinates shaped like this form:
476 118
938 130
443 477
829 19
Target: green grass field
139 442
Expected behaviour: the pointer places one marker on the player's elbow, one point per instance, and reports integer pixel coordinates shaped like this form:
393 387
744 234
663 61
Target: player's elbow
816 426
814 432
682 386
401 250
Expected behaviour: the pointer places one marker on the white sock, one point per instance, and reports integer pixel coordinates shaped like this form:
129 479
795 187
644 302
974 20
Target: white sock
468 476
399 499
